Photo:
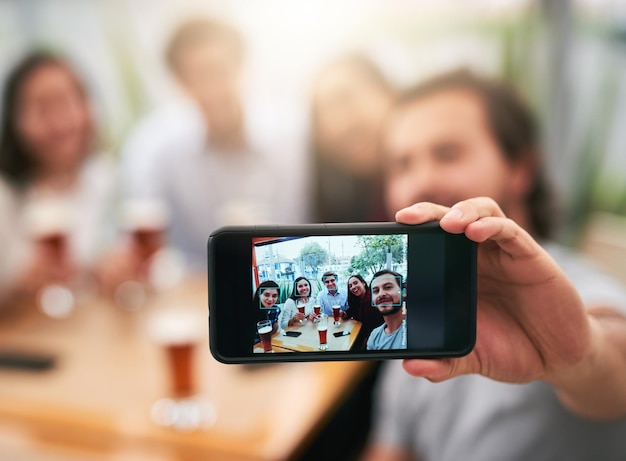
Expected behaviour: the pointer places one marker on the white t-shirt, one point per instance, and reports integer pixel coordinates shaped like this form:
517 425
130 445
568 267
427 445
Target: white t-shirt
169 157
474 418
88 210
8 233
87 218
290 309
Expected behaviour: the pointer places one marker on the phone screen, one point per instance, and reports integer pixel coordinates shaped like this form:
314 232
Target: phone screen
321 285
325 292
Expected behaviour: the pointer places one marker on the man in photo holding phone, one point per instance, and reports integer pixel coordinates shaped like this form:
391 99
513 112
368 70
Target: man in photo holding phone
332 296
547 377
386 289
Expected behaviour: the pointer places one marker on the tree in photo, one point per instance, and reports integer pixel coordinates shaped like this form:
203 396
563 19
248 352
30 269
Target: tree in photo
374 251
313 256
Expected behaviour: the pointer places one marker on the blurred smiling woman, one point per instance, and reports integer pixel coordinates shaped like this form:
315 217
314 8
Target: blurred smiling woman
60 187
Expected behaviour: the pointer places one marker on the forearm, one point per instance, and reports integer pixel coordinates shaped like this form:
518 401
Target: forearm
596 386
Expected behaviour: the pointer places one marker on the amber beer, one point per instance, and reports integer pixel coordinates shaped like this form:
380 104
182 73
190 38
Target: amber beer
336 314
146 221
178 331
322 329
264 328
48 223
180 358
148 241
317 309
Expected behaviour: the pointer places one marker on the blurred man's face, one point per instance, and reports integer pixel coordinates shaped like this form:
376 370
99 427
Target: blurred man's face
386 294
209 71
439 149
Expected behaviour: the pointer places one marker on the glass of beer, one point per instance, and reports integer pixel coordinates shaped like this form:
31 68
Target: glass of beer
264 328
317 309
301 306
47 223
336 314
322 329
178 332
145 221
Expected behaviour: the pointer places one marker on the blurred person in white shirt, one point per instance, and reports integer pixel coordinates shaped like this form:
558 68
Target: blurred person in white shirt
218 157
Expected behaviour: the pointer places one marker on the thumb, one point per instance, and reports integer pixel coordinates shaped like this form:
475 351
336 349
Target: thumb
437 370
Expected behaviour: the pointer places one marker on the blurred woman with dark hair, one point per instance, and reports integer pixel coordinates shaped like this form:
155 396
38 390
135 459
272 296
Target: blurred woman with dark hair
61 190
349 103
360 308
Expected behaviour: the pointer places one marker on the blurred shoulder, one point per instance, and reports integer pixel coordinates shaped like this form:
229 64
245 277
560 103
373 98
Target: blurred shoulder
176 124
595 286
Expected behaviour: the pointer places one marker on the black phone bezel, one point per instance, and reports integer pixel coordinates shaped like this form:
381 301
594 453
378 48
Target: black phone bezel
229 253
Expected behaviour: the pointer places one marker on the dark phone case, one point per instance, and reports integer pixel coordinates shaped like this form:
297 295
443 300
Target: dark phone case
339 334
293 334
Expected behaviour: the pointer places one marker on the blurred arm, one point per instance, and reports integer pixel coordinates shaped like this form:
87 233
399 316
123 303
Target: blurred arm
596 386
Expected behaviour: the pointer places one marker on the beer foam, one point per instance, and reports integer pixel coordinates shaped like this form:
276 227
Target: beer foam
149 214
176 326
47 217
265 330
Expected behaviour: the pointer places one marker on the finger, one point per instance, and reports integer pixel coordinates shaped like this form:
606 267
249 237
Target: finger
421 212
506 233
437 370
463 213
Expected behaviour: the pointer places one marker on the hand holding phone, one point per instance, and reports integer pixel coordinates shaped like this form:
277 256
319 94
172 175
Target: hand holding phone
411 291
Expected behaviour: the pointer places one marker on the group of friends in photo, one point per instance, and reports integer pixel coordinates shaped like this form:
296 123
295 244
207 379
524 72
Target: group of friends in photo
379 306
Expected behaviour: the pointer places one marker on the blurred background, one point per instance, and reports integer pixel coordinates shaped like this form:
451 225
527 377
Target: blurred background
566 57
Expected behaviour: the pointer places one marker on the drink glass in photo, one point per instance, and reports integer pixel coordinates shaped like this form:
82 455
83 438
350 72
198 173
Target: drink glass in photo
322 330
264 328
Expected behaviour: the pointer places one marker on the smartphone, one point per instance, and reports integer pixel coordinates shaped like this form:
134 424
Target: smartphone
402 291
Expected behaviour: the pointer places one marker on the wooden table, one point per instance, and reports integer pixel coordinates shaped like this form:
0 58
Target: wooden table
95 403
308 340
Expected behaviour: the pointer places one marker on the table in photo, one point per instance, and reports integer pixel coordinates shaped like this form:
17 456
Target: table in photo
309 341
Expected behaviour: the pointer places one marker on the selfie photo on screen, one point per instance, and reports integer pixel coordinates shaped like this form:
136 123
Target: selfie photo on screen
329 293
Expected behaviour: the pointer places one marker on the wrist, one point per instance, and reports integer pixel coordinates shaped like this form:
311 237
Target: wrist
590 386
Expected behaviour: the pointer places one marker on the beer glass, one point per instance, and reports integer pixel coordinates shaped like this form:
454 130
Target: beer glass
336 314
264 328
178 332
322 329
145 221
301 306
317 309
47 223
